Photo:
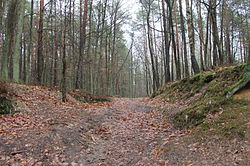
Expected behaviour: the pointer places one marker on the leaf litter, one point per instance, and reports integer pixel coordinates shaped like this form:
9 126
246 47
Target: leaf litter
123 132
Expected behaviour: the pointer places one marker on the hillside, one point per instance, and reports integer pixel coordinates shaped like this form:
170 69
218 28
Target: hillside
206 104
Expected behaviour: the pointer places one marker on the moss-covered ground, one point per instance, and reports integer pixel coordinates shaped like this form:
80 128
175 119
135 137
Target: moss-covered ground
5 106
232 122
211 110
5 101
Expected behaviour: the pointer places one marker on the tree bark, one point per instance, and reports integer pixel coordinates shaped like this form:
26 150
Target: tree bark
216 40
191 36
171 27
30 46
40 60
83 24
14 29
201 37
167 44
64 62
177 41
155 80
2 9
183 33
55 59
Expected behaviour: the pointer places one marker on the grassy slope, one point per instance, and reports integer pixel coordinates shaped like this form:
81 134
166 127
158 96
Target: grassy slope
210 110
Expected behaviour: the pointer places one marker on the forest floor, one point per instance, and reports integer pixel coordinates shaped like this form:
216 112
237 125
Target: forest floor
124 132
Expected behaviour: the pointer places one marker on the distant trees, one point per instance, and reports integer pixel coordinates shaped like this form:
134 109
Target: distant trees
66 44
220 39
71 44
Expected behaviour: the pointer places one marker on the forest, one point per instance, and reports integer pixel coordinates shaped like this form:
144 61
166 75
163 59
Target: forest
124 82
86 45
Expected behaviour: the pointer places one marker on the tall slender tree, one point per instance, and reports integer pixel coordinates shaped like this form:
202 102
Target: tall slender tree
167 43
191 36
13 35
40 54
184 42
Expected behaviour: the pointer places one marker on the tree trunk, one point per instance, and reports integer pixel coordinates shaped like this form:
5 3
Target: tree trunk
64 84
100 74
171 27
14 29
40 60
201 37
166 42
206 43
227 33
216 40
89 67
191 36
155 81
2 9
177 41
83 24
183 33
55 59
30 46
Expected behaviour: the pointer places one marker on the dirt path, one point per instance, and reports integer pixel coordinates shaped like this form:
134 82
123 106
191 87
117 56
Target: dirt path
125 132
48 132
136 133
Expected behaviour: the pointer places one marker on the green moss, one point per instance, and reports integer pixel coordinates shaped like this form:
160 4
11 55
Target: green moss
232 123
212 86
5 102
186 88
243 80
195 114
5 106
